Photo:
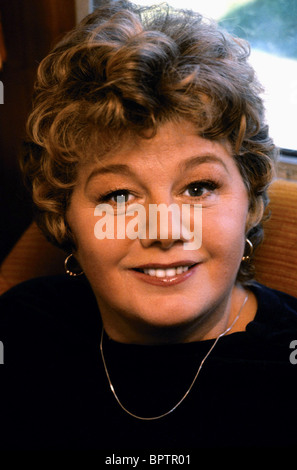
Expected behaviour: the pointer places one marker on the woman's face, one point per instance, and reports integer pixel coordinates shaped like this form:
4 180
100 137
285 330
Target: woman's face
147 288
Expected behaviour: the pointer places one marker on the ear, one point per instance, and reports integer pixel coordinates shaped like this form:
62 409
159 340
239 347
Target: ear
255 215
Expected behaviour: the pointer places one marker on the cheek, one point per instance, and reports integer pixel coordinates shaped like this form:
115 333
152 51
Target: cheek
100 261
223 232
96 257
99 255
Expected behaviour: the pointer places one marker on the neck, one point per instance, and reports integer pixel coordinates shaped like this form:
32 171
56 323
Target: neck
206 326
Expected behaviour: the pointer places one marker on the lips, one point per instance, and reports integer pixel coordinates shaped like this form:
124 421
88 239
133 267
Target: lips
169 272
165 274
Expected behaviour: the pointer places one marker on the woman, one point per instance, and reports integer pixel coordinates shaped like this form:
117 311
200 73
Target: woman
151 341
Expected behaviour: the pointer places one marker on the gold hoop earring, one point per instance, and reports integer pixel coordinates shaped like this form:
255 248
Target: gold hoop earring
68 271
251 250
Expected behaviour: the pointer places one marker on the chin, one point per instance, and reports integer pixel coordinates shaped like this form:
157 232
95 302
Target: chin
169 320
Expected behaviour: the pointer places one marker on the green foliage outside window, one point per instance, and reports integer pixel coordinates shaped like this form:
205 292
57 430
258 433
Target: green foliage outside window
269 25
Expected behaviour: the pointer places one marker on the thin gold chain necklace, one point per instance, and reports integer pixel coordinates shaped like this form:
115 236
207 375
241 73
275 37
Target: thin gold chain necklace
189 389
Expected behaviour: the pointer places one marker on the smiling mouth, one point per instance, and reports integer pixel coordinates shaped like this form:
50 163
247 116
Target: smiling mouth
161 272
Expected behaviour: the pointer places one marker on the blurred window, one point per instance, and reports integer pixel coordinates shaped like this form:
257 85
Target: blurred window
270 26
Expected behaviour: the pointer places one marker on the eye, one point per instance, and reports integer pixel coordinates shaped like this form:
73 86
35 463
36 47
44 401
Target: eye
200 188
120 196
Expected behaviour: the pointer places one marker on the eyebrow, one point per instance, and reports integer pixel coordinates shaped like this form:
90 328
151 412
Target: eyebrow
112 168
199 159
123 169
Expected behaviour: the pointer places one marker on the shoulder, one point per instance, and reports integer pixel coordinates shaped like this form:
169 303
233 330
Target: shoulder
46 291
276 315
52 305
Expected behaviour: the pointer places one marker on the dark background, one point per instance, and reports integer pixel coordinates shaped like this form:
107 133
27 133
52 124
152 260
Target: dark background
30 29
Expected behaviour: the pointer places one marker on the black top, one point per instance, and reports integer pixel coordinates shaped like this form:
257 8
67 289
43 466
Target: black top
55 394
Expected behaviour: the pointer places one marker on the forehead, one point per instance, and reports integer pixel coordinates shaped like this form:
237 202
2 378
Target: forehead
171 145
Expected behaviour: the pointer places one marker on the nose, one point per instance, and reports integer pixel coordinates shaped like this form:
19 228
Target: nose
164 244
163 226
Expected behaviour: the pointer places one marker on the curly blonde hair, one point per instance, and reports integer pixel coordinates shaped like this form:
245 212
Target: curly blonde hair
125 70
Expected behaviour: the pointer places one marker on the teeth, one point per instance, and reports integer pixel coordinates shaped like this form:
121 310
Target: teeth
170 272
